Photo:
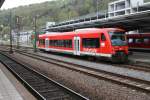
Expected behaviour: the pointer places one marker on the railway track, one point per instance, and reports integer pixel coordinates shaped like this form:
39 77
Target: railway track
139 67
41 86
130 82
135 83
134 67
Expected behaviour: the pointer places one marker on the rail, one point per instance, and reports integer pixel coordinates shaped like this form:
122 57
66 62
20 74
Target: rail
41 86
128 81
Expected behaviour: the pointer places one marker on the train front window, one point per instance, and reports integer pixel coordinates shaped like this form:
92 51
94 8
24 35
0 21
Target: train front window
118 38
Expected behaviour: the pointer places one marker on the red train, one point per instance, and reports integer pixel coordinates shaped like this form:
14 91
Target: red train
139 42
105 42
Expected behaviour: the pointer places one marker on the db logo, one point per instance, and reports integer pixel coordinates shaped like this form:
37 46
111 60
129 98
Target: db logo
90 50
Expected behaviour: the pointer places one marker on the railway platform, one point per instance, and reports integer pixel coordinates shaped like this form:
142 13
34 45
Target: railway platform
140 58
11 88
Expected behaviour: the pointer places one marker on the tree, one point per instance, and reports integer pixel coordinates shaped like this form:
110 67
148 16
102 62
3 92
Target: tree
5 32
55 10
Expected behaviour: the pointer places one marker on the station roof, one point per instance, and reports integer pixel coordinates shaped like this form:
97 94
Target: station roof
133 21
138 20
1 2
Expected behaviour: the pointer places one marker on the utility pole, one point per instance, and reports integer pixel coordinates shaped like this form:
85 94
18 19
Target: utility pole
35 34
18 29
10 51
97 7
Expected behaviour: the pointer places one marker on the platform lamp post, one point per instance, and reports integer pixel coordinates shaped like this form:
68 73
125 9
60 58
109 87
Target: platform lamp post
10 20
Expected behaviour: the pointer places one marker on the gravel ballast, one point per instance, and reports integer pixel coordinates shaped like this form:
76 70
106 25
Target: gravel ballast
91 87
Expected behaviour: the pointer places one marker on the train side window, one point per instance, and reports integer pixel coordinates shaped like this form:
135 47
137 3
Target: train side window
55 42
70 43
138 41
61 43
39 41
67 43
146 40
42 42
51 42
103 38
90 43
130 40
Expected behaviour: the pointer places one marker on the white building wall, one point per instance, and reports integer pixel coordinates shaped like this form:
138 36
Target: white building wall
135 3
24 38
49 24
122 7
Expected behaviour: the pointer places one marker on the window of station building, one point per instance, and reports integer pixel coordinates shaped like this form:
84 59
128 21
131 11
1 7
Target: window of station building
42 42
61 43
91 42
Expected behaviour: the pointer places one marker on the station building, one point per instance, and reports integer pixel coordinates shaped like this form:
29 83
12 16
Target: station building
122 7
24 37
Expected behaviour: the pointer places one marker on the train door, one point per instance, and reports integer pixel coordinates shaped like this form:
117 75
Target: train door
76 45
46 44
103 44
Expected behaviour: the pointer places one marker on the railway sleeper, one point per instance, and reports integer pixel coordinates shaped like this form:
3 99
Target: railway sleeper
25 77
36 84
48 91
65 97
33 81
33 78
40 88
58 94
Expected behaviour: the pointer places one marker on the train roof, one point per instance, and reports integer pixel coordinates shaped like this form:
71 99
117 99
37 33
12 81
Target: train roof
97 29
82 31
136 35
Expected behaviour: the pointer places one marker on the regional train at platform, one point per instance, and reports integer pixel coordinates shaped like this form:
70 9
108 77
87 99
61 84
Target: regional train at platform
108 43
139 42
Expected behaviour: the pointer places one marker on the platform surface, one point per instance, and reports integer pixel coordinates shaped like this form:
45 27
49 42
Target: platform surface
11 88
7 90
140 57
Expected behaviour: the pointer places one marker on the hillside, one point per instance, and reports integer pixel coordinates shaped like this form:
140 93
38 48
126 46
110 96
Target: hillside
57 10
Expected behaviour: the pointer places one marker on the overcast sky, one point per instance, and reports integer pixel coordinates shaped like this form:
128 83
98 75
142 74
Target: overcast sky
15 3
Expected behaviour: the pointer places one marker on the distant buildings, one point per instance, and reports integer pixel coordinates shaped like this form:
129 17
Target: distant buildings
122 7
49 24
24 37
125 7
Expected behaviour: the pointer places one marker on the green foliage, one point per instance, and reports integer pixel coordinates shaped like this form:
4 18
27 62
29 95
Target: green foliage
56 10
146 0
4 32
